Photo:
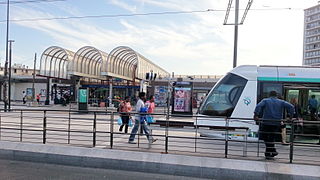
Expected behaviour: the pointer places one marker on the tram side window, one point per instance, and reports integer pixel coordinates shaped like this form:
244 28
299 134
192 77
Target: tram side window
267 87
223 98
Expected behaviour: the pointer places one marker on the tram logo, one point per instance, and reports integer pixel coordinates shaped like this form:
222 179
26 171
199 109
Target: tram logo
247 100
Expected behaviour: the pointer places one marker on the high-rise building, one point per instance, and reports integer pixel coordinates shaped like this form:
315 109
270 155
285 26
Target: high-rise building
311 40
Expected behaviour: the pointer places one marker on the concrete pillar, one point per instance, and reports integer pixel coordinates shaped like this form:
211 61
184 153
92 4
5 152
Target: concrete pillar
49 82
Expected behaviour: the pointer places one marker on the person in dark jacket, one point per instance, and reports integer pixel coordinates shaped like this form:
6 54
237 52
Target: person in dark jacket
270 125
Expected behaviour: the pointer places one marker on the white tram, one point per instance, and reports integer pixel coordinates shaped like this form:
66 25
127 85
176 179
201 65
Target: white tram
237 93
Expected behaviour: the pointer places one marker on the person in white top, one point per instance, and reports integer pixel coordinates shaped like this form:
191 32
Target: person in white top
140 119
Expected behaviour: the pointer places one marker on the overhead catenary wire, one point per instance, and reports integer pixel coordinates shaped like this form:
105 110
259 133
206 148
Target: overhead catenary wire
132 15
29 1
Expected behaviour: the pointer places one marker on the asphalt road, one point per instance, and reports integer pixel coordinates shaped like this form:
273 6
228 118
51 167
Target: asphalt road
21 170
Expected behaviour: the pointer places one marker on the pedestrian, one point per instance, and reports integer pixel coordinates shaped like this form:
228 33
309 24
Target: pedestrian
313 107
140 119
125 109
270 125
150 104
38 98
297 115
24 96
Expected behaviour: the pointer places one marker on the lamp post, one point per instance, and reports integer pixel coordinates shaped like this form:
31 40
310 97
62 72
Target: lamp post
9 79
34 77
5 88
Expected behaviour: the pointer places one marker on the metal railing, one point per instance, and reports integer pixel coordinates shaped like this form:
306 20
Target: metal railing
175 134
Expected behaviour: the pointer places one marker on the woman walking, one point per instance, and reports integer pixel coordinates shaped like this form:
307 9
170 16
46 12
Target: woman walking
125 109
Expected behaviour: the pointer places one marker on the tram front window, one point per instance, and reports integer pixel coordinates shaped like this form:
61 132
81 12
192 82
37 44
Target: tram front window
223 98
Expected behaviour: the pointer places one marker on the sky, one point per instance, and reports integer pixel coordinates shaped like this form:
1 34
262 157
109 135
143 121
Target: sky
186 44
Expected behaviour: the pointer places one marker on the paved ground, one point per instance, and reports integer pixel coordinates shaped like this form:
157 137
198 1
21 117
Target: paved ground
181 140
20 170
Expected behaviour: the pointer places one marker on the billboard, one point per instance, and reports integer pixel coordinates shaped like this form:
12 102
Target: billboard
160 95
182 99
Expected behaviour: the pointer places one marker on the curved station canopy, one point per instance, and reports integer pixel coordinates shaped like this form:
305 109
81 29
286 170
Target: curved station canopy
54 62
89 62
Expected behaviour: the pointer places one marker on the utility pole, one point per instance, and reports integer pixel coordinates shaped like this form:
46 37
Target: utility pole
235 44
236 24
5 87
9 80
34 76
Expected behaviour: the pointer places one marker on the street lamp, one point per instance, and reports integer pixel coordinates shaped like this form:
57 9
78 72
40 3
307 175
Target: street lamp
9 80
6 63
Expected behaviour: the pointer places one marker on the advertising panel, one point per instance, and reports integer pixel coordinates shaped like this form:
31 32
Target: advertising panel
160 95
83 95
182 99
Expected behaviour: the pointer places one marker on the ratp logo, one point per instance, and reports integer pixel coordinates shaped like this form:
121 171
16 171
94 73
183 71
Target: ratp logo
247 100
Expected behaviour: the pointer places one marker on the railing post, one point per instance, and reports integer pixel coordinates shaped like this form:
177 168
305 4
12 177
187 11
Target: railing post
245 147
258 151
69 125
226 138
21 125
94 132
44 131
196 135
111 130
0 126
291 140
167 132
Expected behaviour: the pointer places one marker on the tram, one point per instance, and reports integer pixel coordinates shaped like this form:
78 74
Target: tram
236 94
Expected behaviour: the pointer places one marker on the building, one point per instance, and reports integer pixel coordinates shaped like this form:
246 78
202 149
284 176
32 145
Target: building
22 80
311 40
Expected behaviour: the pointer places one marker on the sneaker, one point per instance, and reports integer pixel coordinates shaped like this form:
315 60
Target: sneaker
132 142
153 140
269 158
274 154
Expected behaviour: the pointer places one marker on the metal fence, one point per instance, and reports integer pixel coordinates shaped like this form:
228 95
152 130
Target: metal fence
175 134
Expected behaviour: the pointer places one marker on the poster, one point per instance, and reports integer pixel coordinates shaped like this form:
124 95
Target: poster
182 99
160 95
29 93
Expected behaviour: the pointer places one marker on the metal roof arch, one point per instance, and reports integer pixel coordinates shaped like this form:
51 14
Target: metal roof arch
87 62
54 62
117 61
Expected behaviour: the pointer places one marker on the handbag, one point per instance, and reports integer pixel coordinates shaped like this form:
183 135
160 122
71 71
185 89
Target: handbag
119 121
150 119
130 124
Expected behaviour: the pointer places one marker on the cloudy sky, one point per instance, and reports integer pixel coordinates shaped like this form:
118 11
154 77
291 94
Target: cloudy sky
190 43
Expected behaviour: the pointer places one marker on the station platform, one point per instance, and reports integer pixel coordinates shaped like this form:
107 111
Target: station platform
180 165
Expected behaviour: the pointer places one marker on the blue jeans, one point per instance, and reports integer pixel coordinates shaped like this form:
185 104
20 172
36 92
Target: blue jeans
135 128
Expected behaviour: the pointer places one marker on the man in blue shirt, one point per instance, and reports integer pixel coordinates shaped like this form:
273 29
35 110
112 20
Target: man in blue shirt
313 107
270 125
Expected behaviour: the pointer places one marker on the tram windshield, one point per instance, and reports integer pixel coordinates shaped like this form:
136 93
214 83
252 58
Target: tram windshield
223 98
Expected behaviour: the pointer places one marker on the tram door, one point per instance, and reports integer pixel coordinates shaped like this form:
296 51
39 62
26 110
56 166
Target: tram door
302 95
